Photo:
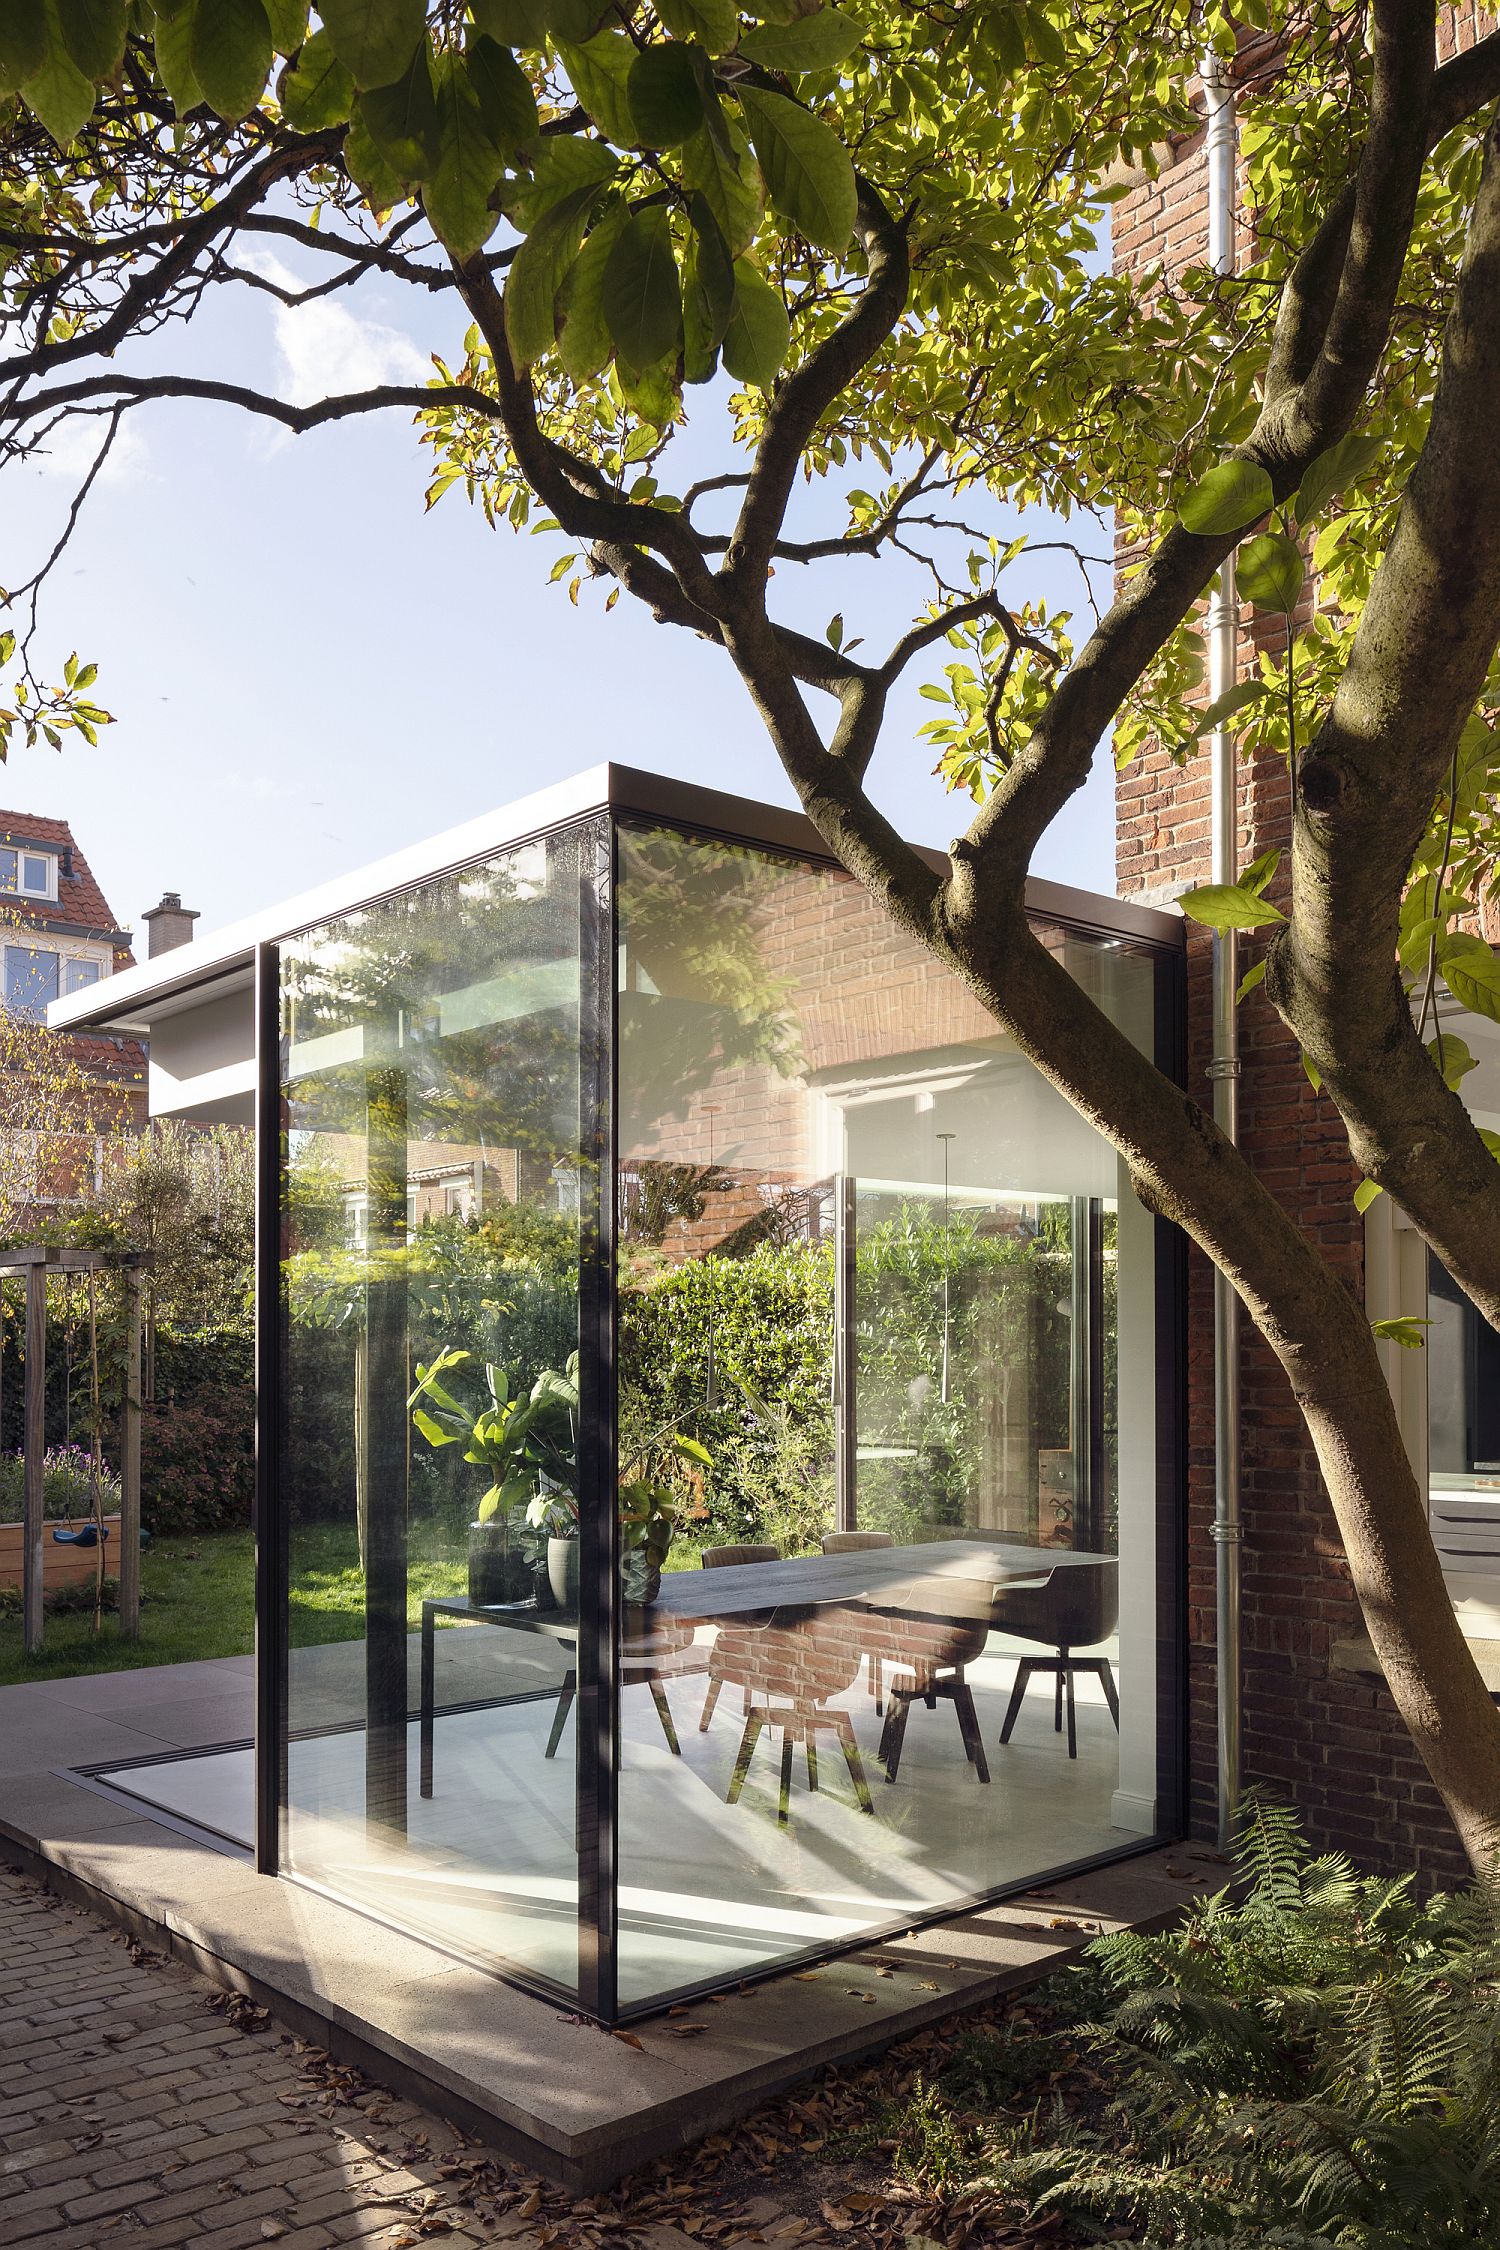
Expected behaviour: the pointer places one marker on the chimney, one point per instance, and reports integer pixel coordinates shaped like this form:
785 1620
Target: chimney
168 925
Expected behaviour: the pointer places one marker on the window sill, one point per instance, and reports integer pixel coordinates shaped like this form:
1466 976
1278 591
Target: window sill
1359 1658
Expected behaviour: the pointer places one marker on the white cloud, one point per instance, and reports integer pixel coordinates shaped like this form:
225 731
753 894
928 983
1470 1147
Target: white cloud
325 349
70 451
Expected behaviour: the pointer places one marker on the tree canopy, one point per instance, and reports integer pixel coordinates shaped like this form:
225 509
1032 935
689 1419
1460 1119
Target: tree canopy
858 253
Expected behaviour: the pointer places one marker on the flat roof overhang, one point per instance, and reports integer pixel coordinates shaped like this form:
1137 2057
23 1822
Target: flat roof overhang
224 959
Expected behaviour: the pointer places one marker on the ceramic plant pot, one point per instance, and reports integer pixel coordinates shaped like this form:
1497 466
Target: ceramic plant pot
562 1572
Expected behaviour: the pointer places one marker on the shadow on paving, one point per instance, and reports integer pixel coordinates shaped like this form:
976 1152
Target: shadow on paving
140 2104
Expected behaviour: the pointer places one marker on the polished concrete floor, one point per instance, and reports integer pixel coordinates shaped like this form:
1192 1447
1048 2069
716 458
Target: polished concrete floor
488 1867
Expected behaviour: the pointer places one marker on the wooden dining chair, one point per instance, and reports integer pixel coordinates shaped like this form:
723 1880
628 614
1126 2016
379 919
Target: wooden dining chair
792 1667
859 1543
726 1657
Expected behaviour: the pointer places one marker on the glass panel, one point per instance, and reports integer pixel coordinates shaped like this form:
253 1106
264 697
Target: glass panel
30 979
432 1222
902 1299
36 875
77 975
7 869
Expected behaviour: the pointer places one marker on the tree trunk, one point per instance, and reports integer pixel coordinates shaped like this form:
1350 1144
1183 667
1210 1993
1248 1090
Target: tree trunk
1182 1167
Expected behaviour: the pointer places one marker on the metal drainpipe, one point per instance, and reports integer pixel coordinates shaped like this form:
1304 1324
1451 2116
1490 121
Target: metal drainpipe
1221 150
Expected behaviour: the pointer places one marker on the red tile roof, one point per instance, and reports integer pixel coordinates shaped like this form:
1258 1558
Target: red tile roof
80 902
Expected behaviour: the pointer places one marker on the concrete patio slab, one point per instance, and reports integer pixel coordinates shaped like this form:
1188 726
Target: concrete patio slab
531 2077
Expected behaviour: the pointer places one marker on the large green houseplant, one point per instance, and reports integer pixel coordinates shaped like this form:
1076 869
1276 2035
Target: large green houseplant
526 1439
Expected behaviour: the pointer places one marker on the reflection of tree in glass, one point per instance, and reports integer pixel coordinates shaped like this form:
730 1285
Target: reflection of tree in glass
699 996
654 1194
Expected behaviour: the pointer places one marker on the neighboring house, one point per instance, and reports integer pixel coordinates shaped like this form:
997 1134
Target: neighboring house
58 935
1319 1722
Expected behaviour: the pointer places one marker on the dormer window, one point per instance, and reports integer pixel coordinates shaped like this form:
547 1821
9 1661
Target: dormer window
28 874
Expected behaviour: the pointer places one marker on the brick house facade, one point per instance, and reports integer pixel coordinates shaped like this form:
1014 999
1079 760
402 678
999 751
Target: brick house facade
1319 1722
57 934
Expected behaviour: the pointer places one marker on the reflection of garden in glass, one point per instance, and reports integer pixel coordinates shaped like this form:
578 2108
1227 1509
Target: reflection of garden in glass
435 1184
872 1262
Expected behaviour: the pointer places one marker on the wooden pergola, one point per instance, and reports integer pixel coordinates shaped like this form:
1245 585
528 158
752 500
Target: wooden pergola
40 1262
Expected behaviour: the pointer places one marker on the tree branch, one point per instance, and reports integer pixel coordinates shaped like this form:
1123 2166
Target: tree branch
139 390
802 400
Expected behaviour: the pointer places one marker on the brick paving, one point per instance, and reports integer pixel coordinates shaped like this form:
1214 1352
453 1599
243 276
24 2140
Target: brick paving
140 2105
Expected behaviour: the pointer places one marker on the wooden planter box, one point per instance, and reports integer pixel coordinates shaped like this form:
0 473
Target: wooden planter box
61 1566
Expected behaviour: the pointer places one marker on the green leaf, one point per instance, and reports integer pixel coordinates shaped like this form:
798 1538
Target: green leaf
708 300
231 55
432 1430
174 57
642 297
1254 975
1268 571
1256 878
600 73
23 41
666 100
720 166
1405 1330
288 21
1451 1058
374 38
59 96
403 118
1491 1141
560 166
506 101
1233 700
320 91
1334 471
93 32
368 169
808 175
1365 1194
1226 906
457 196
576 20
584 345
714 23
759 333
1472 973
1233 495
819 42
536 275
512 23
1043 36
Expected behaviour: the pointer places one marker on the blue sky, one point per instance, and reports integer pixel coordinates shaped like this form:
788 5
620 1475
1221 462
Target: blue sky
309 672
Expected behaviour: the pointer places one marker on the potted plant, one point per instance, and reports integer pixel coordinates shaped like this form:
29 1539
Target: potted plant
553 1514
527 1440
650 1504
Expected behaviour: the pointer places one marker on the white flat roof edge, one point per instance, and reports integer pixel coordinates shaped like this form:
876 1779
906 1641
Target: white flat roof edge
125 1001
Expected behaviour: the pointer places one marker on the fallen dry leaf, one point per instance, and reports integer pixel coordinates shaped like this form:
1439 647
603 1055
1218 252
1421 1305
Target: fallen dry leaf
631 2040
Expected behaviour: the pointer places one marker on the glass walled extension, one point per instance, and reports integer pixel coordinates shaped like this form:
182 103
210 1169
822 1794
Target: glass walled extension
903 1300
724 1487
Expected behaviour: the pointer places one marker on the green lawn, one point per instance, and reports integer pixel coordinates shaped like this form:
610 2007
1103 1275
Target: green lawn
198 1600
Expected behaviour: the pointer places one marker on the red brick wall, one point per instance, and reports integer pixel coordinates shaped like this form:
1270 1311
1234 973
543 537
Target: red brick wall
1331 1741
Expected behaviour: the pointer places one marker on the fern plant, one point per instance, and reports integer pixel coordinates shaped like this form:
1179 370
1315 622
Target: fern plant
1310 2060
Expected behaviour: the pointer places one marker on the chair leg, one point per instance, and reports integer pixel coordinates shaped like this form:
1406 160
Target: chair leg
1111 1695
709 1701
748 1741
968 1727
784 1805
812 1759
664 1708
877 1683
844 1728
1024 1671
560 1715
901 1700
1057 1701
1066 1673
